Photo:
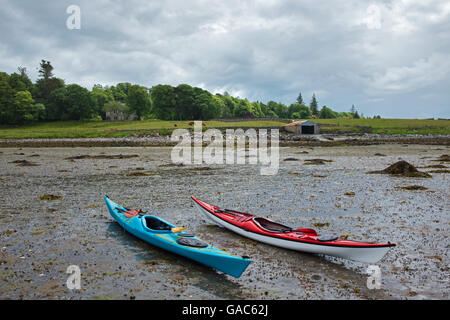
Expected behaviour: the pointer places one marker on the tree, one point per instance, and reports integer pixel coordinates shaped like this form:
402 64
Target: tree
299 111
39 112
354 112
257 110
300 98
327 113
313 105
211 108
6 98
47 82
282 110
23 107
184 102
72 102
46 70
100 96
228 106
242 109
163 99
79 103
138 100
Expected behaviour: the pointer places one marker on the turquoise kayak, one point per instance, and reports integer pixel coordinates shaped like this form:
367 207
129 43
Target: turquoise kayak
163 234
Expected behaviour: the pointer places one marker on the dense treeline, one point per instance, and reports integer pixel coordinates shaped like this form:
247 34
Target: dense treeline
50 99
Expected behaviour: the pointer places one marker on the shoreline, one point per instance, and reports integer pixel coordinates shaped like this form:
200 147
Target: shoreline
286 140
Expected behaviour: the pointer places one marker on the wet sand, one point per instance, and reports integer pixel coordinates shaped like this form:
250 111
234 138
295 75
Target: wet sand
41 238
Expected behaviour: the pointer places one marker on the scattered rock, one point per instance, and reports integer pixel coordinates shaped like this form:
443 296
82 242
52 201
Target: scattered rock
439 171
443 158
316 161
103 156
9 232
414 187
320 224
435 166
24 163
402 168
138 174
201 169
50 197
170 165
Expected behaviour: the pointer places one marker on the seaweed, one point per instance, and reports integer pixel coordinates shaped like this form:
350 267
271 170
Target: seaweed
402 168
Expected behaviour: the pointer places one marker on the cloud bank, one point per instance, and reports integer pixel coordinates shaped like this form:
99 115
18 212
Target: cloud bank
385 57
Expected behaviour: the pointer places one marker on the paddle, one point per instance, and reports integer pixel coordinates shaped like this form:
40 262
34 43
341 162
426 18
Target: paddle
178 229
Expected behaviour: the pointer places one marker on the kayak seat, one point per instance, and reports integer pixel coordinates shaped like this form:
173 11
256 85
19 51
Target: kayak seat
327 237
156 224
191 242
271 226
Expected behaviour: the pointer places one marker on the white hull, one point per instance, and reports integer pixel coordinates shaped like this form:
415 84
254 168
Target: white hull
367 255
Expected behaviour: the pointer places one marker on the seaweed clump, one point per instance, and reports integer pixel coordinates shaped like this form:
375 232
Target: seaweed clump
316 161
102 156
402 168
414 187
24 163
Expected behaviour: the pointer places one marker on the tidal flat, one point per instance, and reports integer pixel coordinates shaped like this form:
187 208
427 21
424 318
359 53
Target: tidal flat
52 215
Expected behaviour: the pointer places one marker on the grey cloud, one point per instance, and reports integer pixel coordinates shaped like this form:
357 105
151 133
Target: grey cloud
263 50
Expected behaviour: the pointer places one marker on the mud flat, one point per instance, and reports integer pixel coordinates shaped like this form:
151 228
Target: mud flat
325 140
53 216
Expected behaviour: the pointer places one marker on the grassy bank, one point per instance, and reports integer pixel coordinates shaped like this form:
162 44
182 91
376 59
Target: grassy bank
92 129
387 126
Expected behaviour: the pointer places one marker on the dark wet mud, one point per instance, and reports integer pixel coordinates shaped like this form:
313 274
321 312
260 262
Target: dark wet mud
71 226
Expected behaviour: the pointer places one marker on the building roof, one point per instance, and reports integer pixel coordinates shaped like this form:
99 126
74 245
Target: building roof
301 123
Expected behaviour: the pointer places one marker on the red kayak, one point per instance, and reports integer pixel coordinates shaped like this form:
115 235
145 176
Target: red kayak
306 240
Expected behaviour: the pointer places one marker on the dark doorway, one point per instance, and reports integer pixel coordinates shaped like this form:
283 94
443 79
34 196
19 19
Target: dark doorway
307 129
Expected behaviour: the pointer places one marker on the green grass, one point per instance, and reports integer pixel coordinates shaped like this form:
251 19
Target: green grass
388 126
92 129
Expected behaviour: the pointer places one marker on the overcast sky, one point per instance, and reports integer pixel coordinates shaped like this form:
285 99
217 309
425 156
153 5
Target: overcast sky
390 58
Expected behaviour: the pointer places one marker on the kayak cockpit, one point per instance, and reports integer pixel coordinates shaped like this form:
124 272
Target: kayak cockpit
271 226
156 224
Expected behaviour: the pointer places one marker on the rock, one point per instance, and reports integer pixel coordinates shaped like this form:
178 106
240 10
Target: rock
402 168
316 161
24 163
414 187
443 158
50 197
103 156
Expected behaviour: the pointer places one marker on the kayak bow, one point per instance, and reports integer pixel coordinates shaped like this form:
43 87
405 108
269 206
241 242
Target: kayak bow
306 240
161 233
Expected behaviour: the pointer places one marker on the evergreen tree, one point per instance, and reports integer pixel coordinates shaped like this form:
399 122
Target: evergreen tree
300 98
313 105
46 70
